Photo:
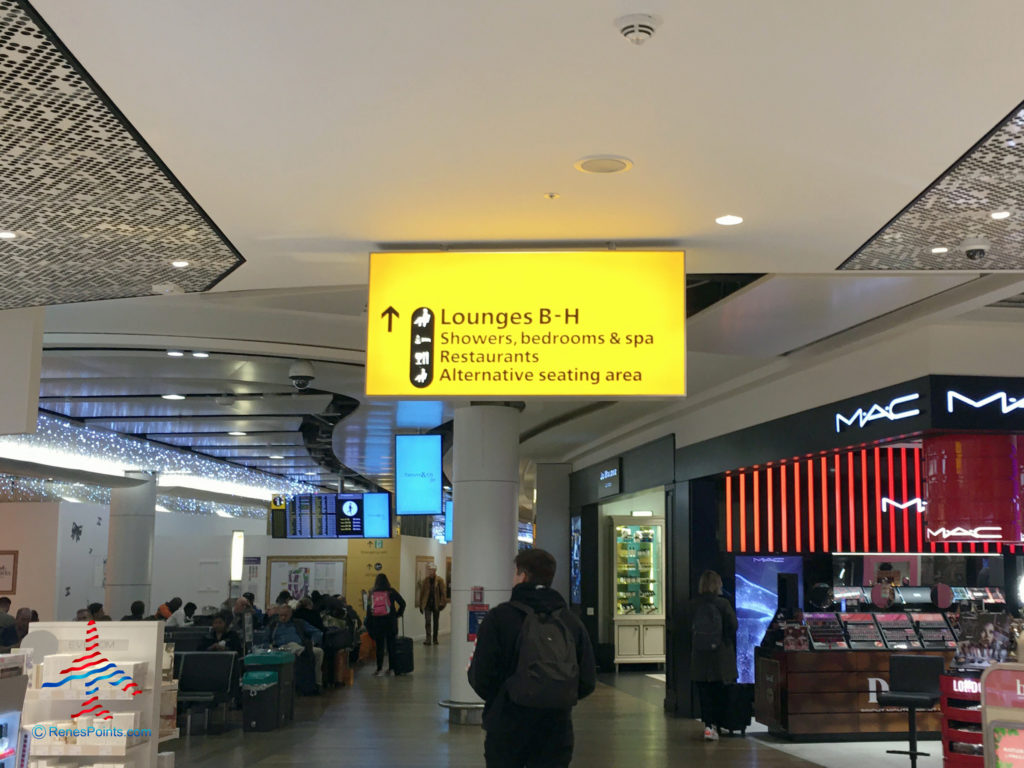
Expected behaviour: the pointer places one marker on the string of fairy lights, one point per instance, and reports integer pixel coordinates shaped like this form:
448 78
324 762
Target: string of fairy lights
65 445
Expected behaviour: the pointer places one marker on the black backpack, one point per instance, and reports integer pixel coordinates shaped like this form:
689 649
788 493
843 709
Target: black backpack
707 626
547 672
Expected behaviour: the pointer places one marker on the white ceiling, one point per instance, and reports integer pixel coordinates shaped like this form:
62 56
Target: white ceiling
314 132
310 130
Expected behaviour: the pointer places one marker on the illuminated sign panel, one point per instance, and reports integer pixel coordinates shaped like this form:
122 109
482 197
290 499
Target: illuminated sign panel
893 411
601 323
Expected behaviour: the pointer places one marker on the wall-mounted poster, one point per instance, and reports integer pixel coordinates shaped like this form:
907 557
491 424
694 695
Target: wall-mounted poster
300 576
448 576
8 572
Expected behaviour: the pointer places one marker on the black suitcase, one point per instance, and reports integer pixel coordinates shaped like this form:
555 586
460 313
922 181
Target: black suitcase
402 662
739 708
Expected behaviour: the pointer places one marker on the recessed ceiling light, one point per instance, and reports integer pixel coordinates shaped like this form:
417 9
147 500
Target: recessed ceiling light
175 353
276 456
940 250
603 164
238 434
1000 215
729 220
179 264
173 397
200 354
7 235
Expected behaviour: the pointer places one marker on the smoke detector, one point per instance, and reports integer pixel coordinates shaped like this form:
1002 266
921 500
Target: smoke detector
638 28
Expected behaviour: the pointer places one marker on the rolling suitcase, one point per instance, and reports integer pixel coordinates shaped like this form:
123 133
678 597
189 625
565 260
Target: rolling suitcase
739 708
402 663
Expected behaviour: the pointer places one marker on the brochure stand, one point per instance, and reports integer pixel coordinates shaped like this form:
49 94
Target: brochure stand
1002 708
94 694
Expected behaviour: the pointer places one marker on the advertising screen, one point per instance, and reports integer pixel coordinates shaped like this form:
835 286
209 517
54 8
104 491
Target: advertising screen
756 601
449 509
575 565
418 481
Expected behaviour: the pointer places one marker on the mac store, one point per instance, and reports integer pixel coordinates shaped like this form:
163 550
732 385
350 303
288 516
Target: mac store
881 519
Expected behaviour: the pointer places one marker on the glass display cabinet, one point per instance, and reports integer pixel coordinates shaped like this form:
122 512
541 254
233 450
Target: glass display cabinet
638 570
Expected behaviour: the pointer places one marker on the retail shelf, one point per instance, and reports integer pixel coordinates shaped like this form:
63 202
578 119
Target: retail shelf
85 750
61 694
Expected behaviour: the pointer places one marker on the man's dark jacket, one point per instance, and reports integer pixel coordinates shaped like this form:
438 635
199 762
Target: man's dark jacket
495 658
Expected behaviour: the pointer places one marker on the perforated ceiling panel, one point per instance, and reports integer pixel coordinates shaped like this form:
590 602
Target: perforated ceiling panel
97 216
988 179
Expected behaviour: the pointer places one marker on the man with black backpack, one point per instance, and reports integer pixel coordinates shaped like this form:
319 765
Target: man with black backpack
533 661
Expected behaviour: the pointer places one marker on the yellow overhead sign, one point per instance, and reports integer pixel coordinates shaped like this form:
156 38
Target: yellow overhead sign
583 323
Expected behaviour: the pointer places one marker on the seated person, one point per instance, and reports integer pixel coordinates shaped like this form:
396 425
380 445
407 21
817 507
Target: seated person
138 610
189 610
96 612
11 636
258 619
171 613
239 610
288 633
222 637
309 614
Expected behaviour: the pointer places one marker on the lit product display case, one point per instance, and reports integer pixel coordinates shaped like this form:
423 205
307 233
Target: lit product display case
638 568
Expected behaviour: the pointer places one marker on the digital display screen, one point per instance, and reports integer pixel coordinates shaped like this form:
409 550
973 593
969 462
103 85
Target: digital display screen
961 593
575 562
449 509
912 595
756 602
338 516
418 479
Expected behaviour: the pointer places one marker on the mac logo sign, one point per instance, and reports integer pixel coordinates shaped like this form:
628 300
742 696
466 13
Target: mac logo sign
990 532
1006 403
888 504
893 411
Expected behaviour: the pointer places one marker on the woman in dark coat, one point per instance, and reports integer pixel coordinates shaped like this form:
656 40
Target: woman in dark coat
385 607
712 669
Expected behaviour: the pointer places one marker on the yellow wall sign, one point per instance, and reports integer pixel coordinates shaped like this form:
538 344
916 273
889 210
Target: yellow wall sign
605 323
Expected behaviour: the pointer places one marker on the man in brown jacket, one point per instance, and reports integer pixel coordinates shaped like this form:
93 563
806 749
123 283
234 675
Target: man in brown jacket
431 599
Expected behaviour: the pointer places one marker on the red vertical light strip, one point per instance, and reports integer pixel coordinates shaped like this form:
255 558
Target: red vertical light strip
810 505
974 549
892 495
960 548
864 531
946 547
824 504
986 548
784 510
917 493
743 511
878 502
757 511
906 510
839 506
798 521
851 507
728 513
771 511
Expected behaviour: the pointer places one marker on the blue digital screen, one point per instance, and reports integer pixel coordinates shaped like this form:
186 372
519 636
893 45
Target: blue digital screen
376 516
449 509
418 475
757 599
575 562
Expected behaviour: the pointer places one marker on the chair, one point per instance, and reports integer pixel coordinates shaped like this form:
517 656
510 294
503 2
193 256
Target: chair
914 684
206 679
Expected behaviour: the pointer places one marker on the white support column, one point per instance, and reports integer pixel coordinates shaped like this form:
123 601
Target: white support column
21 349
129 574
486 495
553 521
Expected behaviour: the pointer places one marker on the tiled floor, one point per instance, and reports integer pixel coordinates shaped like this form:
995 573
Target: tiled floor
396 722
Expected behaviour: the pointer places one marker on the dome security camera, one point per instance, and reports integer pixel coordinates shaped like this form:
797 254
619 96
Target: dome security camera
301 373
975 247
